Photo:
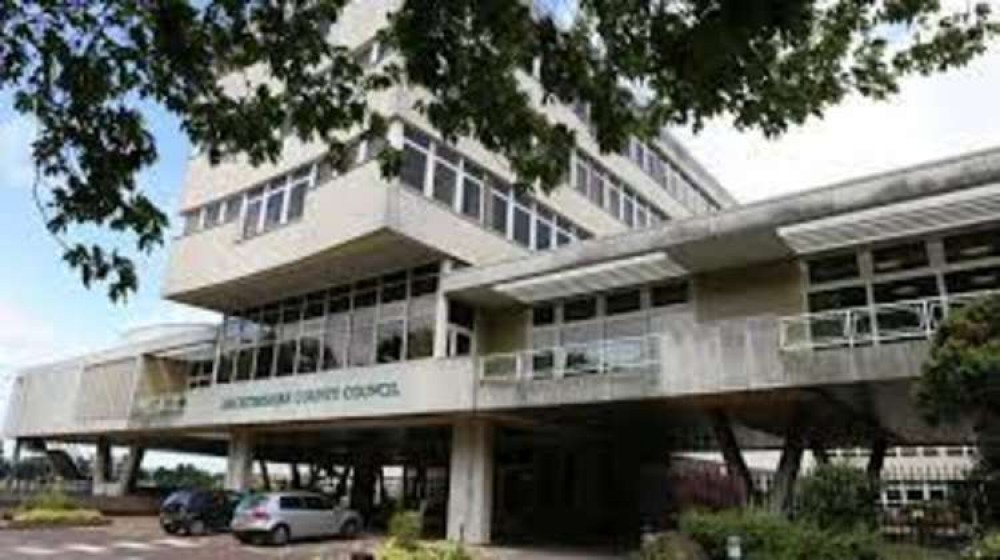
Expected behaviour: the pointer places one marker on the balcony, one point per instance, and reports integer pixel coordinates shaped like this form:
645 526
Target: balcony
631 356
871 325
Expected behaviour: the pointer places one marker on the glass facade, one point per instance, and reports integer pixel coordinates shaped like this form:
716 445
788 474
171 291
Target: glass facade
440 173
378 320
608 192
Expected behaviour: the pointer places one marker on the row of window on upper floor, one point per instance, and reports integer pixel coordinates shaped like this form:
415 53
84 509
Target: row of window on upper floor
611 194
660 168
970 262
441 173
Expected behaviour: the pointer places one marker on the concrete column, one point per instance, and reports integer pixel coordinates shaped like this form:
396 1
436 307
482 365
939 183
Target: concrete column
102 467
735 463
876 460
441 318
239 463
470 485
783 493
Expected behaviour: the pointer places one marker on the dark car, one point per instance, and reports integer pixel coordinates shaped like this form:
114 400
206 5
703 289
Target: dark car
197 512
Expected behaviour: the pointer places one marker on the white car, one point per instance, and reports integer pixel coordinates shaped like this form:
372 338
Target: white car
279 517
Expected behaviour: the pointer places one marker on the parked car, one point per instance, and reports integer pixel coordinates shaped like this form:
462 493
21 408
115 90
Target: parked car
279 517
197 512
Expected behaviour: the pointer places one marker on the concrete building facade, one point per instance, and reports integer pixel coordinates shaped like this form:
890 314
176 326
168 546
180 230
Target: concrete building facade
540 350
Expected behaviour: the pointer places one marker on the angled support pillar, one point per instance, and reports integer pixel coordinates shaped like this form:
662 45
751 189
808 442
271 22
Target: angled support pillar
819 452
783 491
102 468
880 444
264 475
731 452
129 475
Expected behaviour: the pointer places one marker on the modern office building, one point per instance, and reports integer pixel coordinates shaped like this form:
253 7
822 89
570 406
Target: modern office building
540 355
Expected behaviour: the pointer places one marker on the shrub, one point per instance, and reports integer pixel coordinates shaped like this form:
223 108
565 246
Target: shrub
393 550
768 537
837 497
671 546
51 500
57 518
406 527
987 548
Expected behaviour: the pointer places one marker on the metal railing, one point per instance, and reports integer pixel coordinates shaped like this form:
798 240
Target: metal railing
876 324
619 356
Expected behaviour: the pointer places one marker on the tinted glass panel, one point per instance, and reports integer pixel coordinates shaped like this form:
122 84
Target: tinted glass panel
414 168
971 246
580 309
913 288
291 502
973 280
445 179
838 299
668 294
543 315
623 302
472 199
829 269
900 257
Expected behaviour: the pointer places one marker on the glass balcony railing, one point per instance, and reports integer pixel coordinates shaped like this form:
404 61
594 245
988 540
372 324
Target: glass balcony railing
621 356
877 324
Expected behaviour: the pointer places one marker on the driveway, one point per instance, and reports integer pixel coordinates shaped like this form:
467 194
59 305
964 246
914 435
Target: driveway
142 539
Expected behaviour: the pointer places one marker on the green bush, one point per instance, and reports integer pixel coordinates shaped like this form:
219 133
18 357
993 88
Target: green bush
987 548
768 537
671 546
406 527
837 497
392 549
57 518
51 500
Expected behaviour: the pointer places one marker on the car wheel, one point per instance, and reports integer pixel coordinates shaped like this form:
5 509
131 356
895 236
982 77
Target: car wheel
170 529
350 528
245 539
197 528
280 535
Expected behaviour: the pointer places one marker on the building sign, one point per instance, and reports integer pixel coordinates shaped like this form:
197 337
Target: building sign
348 392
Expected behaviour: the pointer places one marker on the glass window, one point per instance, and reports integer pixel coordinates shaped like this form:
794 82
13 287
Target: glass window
413 170
622 302
292 503
420 336
472 198
829 269
336 333
232 208
582 176
275 206
461 314
899 257
498 213
543 235
972 246
423 285
213 214
614 201
390 342
417 137
522 226
252 220
543 315
580 309
309 353
297 201
597 189
987 278
191 220
445 180
628 208
671 293
362 337
838 299
911 288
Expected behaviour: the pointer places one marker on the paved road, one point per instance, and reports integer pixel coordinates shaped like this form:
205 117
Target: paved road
141 539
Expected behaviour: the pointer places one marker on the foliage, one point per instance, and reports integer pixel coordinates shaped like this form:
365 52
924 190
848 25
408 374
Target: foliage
392 549
765 536
41 517
406 527
88 73
183 476
837 497
962 372
671 546
49 500
986 548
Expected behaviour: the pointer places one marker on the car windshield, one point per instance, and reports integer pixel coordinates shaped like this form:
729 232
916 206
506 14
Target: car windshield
251 501
178 498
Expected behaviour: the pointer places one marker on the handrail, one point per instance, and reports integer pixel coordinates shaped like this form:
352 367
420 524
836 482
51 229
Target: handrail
871 325
624 355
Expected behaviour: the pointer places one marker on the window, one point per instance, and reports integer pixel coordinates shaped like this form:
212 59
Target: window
987 278
671 293
251 222
291 503
623 302
900 257
390 341
414 168
213 215
543 315
972 246
498 213
297 201
522 226
580 309
829 269
231 209
445 179
543 235
838 299
191 221
420 332
274 207
472 198
911 288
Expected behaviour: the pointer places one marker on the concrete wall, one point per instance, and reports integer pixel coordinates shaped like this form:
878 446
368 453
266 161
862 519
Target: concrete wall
774 288
503 330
